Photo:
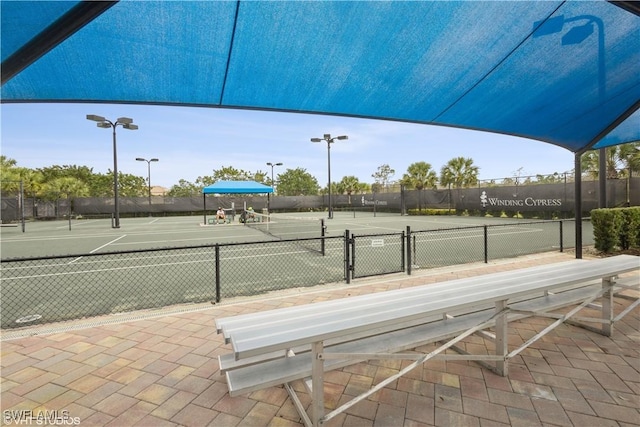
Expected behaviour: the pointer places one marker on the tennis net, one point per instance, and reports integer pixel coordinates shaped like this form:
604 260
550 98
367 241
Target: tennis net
306 232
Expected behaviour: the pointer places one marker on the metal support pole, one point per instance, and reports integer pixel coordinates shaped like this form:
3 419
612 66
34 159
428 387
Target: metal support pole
149 183
22 221
329 175
116 210
347 257
486 244
408 249
561 237
578 205
218 289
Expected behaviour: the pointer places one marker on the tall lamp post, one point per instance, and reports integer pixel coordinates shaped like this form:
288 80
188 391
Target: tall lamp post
327 137
272 186
272 166
140 159
126 123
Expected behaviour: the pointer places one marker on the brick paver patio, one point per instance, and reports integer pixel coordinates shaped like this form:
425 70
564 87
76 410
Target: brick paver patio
160 369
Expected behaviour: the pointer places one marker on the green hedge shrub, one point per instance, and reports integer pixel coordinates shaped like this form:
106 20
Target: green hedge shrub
616 228
428 211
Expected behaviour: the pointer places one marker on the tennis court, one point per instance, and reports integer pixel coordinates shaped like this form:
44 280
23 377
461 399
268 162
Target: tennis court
93 269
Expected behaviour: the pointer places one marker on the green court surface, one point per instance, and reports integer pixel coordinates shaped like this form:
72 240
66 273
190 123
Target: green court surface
156 262
50 238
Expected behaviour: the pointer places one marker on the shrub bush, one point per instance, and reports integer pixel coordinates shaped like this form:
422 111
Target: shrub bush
616 228
430 211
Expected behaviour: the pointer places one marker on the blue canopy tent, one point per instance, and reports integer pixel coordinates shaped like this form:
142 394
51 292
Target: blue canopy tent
562 72
234 187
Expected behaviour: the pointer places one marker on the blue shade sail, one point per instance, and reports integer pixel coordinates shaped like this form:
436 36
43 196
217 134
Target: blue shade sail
566 73
237 187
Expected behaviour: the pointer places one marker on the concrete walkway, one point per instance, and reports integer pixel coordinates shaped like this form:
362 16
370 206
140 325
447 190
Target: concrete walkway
160 369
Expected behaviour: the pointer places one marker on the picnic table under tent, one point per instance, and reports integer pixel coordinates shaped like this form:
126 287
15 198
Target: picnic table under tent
233 187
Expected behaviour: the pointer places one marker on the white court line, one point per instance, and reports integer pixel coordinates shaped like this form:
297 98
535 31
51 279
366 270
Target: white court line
77 224
140 266
155 220
98 248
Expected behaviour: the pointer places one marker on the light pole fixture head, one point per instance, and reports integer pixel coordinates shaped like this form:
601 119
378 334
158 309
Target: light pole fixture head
140 159
104 125
95 118
577 35
125 120
278 164
129 126
343 137
154 160
316 140
548 26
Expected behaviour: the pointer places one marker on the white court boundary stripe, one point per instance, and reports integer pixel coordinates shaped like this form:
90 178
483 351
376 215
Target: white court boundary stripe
98 248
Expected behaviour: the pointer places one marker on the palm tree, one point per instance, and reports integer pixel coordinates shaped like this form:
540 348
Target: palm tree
621 162
349 184
419 176
459 172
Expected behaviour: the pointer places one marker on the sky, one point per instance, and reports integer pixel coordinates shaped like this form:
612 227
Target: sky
191 142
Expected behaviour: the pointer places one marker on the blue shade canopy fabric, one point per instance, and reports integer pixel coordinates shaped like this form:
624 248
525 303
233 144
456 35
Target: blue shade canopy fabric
562 72
237 187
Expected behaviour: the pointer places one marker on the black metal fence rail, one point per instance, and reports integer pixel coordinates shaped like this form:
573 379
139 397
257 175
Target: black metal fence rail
44 290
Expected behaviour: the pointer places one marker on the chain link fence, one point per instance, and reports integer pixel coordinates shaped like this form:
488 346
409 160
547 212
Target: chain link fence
52 289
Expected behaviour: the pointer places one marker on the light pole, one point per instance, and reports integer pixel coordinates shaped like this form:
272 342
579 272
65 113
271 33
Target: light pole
140 159
327 137
269 195
126 123
272 166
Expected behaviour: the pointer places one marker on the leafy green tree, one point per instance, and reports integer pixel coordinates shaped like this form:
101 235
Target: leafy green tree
132 186
419 176
9 175
262 177
382 177
348 185
101 185
83 173
549 179
363 188
184 188
33 185
229 173
297 182
68 188
334 189
204 181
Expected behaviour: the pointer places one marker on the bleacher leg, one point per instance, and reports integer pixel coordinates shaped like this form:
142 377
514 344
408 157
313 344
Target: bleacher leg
317 394
502 338
607 306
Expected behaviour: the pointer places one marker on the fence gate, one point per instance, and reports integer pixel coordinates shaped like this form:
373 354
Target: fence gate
375 254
